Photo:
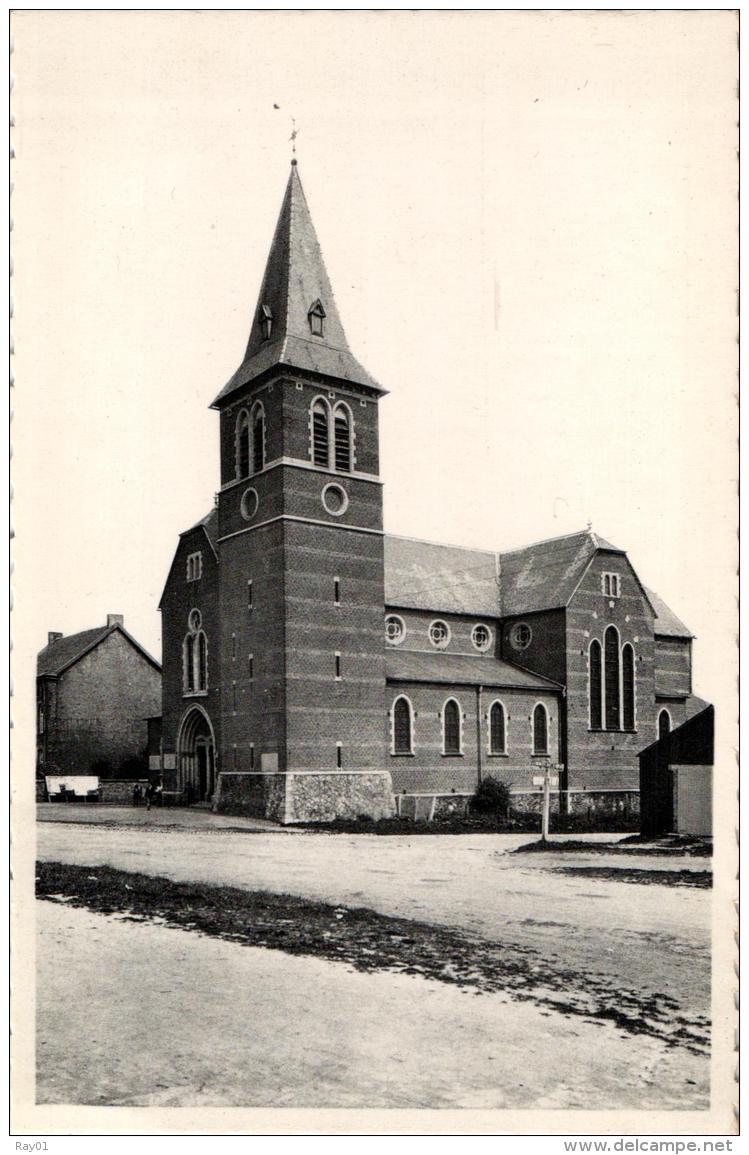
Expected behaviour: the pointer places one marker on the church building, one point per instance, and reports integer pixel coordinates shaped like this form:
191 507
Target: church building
315 666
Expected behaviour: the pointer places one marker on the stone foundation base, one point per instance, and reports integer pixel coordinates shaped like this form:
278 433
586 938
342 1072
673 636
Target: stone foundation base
306 795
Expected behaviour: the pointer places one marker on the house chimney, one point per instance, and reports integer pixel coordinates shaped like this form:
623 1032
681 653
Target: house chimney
115 620
53 637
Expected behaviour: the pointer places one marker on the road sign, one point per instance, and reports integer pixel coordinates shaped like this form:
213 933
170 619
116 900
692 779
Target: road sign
538 780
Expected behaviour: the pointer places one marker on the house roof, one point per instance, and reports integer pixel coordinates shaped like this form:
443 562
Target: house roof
545 574
667 625
460 669
422 575
295 280
58 656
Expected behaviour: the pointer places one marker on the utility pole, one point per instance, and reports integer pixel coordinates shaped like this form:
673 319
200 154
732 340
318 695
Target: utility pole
545 808
546 782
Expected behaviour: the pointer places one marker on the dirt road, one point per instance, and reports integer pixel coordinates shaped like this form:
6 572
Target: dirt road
230 1017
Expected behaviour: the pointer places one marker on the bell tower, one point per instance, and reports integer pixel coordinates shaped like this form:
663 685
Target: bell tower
301 597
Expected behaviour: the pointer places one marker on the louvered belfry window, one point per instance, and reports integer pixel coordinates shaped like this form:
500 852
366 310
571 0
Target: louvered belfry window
451 722
402 726
628 688
611 654
258 439
320 435
243 445
342 441
596 718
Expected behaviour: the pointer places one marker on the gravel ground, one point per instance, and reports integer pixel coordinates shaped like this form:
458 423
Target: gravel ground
132 1013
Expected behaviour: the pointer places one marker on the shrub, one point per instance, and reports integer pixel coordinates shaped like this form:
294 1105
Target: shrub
491 797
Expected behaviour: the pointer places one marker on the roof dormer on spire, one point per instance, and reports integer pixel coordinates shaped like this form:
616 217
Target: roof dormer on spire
296 321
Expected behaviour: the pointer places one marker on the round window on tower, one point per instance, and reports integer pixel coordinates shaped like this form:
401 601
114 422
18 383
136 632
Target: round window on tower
395 629
249 504
481 636
194 620
335 500
439 634
520 636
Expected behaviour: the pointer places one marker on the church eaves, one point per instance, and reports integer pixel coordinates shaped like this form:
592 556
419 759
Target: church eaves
296 321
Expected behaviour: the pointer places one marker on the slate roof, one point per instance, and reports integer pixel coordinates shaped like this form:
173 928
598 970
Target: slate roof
209 523
422 575
460 669
55 658
295 277
425 575
544 575
667 625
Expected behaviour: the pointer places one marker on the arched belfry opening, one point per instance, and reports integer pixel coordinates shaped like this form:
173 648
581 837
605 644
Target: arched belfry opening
196 748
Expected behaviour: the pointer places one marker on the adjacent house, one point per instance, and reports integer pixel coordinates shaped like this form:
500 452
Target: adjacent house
95 691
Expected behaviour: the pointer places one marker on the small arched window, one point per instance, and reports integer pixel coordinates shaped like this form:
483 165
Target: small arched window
540 730
497 729
242 444
320 433
611 678
402 727
664 724
628 687
257 423
342 435
451 727
594 686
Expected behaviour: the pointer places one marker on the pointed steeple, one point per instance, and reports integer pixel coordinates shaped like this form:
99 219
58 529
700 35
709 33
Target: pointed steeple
296 321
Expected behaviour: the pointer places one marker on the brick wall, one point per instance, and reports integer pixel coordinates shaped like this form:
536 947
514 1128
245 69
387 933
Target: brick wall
98 708
673 666
428 769
546 653
180 597
607 759
461 626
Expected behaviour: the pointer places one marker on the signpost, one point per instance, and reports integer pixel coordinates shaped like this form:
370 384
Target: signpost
546 781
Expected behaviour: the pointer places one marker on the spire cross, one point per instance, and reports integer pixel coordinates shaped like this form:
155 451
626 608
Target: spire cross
294 135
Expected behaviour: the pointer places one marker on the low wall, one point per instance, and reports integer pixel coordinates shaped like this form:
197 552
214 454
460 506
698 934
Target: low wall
119 791
306 796
254 795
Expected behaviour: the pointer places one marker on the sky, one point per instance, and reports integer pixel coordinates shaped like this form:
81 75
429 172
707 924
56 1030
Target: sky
529 221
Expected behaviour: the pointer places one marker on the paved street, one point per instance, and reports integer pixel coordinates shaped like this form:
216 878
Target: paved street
644 938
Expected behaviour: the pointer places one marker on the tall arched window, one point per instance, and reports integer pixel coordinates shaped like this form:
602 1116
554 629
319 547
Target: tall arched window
242 444
320 433
257 422
664 724
188 663
194 656
402 727
611 678
497 729
342 433
451 727
628 687
201 681
594 686
540 730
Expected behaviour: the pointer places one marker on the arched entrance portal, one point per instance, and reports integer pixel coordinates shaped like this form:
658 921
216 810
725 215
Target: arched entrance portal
197 756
